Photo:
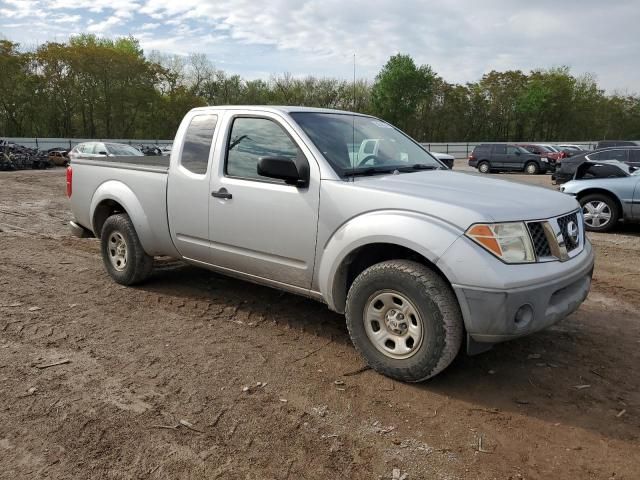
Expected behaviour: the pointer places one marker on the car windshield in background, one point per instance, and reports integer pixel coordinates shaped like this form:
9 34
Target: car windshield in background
359 145
123 150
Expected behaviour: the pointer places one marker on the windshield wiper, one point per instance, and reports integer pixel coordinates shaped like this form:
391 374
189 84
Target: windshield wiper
371 171
391 169
424 166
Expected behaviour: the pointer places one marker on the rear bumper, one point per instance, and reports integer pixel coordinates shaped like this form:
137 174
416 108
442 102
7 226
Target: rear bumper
78 230
491 316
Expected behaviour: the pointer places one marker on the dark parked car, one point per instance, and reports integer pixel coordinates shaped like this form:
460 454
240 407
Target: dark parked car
617 143
567 169
499 157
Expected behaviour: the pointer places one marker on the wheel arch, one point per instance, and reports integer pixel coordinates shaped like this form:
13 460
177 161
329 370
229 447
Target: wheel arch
365 241
114 197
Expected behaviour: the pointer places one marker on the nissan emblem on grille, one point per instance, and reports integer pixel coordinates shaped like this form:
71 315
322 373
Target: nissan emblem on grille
573 232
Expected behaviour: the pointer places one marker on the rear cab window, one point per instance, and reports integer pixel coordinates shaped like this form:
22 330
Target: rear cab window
197 143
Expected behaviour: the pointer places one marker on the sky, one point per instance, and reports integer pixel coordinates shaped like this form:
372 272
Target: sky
460 39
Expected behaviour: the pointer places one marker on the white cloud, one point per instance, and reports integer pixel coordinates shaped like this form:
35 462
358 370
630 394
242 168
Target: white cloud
461 39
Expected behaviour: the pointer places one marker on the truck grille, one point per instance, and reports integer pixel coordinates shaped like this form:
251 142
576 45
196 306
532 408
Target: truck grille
551 239
562 223
540 242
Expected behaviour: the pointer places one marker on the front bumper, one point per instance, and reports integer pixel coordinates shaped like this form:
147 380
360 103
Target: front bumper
490 315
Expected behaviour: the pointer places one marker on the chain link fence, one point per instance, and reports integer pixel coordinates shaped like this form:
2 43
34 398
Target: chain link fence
457 149
464 149
69 143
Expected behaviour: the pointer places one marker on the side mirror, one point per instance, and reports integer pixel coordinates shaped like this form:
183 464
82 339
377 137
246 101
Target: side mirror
284 168
518 152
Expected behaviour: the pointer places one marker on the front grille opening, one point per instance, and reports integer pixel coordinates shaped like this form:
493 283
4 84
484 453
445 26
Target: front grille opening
540 242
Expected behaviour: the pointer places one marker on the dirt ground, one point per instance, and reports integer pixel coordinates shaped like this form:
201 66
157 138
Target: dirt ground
561 404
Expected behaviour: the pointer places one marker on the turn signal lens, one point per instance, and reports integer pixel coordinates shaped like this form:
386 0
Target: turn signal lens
510 242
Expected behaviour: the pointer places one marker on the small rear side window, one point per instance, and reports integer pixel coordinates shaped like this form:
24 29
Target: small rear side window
482 149
197 143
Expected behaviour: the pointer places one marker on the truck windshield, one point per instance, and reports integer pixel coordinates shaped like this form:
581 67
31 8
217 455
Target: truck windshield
359 145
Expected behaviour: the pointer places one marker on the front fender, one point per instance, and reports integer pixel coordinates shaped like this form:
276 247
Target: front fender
122 194
427 236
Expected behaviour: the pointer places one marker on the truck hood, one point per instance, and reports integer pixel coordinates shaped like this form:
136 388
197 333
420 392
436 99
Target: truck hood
463 199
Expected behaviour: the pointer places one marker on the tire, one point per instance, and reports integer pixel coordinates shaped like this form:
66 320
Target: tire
436 314
601 212
531 168
122 254
484 167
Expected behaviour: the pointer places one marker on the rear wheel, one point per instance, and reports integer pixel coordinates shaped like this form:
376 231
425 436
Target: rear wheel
531 168
404 319
122 253
484 167
600 212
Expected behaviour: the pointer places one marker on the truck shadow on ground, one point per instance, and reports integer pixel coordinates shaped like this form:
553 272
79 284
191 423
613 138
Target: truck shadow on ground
578 373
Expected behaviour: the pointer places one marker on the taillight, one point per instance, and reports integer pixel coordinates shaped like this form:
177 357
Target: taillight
471 157
69 181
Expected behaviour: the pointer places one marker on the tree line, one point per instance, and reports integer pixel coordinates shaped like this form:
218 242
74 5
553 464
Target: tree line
91 87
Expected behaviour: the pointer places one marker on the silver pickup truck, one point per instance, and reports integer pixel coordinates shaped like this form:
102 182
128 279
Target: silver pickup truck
417 257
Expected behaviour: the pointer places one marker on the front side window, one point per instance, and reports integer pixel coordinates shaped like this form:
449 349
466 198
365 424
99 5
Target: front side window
197 143
252 138
356 144
511 150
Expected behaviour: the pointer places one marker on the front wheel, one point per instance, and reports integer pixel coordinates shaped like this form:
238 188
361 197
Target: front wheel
531 168
404 319
600 212
122 253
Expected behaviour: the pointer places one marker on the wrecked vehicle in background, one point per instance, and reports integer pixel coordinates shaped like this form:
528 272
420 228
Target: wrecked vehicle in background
607 191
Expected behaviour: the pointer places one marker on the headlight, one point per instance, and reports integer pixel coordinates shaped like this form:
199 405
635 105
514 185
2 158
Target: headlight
545 159
510 242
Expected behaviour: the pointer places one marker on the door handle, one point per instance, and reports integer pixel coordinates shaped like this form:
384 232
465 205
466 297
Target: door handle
222 193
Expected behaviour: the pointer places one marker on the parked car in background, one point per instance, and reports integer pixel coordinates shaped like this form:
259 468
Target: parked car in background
104 149
419 258
545 151
445 158
567 169
59 157
505 157
617 143
569 150
568 146
607 192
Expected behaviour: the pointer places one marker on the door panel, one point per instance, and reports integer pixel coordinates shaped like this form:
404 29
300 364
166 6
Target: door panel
267 228
188 189
499 157
513 160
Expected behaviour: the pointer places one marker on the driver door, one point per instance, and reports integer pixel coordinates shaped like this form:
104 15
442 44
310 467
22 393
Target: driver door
262 227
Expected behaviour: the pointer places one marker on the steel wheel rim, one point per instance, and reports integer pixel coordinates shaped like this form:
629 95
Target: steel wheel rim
484 168
596 213
118 252
531 168
393 324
